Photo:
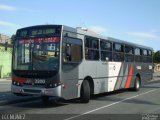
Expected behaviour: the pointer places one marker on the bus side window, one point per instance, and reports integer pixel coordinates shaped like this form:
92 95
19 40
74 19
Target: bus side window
91 48
138 55
149 60
106 50
129 53
118 52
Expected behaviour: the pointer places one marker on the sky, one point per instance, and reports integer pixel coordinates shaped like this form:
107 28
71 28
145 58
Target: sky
136 21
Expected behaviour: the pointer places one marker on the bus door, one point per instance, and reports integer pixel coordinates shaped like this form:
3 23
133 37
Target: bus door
71 59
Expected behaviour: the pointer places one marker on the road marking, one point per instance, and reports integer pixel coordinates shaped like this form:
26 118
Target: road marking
110 104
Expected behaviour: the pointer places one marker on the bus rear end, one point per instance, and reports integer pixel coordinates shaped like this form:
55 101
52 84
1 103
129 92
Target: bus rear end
36 60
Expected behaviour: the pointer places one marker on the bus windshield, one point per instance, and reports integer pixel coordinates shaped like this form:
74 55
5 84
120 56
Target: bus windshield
40 54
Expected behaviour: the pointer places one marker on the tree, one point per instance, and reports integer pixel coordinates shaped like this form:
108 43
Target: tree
156 57
12 38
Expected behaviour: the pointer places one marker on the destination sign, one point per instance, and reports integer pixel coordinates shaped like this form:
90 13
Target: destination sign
39 40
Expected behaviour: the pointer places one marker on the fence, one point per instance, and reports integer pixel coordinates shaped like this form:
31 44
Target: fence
5 61
157 67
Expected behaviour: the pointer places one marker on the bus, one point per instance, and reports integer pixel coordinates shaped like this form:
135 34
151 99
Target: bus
64 62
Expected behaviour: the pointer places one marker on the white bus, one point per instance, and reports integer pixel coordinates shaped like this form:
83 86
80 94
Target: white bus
66 62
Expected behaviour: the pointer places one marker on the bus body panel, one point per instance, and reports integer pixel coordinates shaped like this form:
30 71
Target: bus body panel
32 90
30 87
69 79
91 70
102 76
120 79
71 73
115 70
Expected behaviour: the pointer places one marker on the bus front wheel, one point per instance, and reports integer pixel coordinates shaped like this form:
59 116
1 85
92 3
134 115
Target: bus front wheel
45 99
137 84
85 92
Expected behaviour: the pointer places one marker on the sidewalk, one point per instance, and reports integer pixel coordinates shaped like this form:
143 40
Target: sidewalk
156 74
5 79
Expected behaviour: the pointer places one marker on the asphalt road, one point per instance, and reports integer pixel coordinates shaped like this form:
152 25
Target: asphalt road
120 105
5 85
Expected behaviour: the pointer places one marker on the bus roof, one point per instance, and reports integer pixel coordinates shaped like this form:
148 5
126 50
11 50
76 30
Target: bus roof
88 32
37 26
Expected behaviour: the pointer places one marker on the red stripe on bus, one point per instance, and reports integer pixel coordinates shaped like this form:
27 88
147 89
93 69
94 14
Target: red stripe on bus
117 77
129 77
19 79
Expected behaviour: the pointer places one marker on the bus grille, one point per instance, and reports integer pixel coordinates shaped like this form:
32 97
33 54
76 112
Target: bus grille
32 91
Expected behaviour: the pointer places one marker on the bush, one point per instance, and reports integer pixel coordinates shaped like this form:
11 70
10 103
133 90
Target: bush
156 57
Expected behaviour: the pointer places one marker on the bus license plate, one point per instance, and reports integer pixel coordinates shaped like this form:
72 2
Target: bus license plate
39 81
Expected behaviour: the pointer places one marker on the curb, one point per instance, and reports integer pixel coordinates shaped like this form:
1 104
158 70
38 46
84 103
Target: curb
153 81
1 80
156 76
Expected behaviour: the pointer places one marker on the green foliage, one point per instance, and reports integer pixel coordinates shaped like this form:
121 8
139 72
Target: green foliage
5 61
156 57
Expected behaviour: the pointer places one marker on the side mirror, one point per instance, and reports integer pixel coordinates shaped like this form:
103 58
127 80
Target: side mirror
107 59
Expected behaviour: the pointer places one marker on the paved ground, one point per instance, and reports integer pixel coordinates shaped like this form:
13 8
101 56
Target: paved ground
156 74
117 105
6 97
5 85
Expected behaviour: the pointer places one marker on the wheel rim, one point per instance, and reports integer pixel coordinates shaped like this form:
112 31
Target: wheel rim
137 84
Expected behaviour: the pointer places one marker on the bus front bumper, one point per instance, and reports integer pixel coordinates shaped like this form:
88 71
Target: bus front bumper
36 91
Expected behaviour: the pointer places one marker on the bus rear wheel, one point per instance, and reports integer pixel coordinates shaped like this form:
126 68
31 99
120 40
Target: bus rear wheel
85 92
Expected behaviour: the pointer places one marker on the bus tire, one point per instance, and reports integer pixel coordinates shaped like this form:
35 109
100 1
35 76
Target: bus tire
85 92
137 84
45 99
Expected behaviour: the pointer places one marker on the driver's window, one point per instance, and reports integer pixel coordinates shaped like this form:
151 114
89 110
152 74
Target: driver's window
72 50
67 52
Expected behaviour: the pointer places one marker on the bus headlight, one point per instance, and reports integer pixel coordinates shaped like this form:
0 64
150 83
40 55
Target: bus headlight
55 85
50 85
16 83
